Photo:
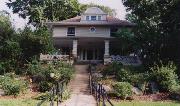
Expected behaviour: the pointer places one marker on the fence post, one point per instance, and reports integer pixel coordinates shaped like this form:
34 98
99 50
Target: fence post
96 90
57 93
99 93
103 94
52 98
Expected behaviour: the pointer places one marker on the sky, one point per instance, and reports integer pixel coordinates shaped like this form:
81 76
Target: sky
114 4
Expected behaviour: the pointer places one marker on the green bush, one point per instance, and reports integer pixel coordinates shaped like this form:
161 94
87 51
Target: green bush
123 75
34 67
13 86
44 86
123 89
165 76
111 69
41 73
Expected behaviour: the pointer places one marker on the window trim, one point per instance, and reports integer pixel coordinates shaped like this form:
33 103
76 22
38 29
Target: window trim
74 31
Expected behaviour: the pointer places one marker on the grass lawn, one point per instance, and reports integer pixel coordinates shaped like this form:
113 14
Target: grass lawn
20 102
136 103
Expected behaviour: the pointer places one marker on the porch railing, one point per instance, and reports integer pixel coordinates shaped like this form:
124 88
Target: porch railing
98 91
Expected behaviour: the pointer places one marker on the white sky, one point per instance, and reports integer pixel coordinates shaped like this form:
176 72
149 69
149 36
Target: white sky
114 4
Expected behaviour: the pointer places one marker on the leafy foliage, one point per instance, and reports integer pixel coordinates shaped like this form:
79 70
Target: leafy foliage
123 89
12 85
18 48
42 73
35 42
40 11
9 48
44 86
126 44
108 10
165 76
157 30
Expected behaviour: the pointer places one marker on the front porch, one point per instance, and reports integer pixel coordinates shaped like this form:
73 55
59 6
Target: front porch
84 49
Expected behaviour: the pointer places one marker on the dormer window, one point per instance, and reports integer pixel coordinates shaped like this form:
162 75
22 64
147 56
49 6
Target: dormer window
99 17
93 18
87 18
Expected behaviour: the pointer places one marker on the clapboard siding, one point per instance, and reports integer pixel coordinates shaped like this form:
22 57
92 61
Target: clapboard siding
82 32
59 31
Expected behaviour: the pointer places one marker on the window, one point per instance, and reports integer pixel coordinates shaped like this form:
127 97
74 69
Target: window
99 17
71 31
87 18
113 31
92 29
93 18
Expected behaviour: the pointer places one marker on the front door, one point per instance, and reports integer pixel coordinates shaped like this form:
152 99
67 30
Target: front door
89 54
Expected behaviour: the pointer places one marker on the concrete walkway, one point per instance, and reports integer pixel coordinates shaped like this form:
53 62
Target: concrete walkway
79 86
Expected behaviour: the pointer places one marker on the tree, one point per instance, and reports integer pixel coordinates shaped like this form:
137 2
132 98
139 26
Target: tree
9 47
106 9
126 42
39 11
158 26
35 42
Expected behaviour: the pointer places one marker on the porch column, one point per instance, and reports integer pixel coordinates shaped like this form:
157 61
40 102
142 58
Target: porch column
106 51
74 51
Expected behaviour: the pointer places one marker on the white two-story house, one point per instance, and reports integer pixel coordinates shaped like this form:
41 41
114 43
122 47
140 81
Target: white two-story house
87 37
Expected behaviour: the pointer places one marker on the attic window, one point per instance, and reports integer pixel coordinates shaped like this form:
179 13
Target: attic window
87 18
99 17
93 18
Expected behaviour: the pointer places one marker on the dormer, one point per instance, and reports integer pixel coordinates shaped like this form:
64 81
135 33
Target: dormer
94 14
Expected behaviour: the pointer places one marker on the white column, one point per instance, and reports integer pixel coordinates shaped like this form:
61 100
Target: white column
106 51
107 58
74 52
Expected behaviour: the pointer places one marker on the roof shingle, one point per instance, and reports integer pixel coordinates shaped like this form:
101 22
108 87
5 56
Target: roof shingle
77 21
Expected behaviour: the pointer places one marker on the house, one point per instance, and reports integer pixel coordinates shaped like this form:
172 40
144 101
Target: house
89 36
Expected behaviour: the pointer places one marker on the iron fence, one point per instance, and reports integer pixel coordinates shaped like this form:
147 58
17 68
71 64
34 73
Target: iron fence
98 91
55 94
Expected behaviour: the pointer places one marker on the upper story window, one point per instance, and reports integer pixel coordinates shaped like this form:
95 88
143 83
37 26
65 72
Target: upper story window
99 17
113 31
87 18
93 18
71 31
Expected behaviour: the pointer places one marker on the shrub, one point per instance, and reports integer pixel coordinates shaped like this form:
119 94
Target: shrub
123 89
165 76
12 86
41 73
44 86
111 69
33 67
123 75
